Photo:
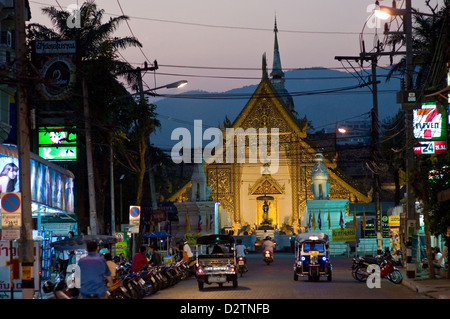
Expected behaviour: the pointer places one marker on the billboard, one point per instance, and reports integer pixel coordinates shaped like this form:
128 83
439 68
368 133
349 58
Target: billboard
57 144
52 190
430 129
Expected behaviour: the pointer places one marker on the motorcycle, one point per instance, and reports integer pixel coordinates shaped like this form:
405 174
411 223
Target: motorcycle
242 265
268 257
118 291
386 264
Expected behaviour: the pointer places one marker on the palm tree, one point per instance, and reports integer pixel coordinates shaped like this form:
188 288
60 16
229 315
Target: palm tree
97 80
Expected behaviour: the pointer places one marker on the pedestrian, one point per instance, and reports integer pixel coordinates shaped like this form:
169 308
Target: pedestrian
94 272
183 252
63 261
139 260
111 265
155 257
446 246
188 250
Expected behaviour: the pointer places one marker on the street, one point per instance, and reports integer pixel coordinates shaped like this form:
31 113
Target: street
275 281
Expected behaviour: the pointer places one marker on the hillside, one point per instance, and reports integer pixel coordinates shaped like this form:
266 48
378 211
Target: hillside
318 93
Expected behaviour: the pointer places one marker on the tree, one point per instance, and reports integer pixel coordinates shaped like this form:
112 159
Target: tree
100 67
132 141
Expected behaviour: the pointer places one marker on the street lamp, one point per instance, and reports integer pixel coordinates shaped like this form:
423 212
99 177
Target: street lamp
174 85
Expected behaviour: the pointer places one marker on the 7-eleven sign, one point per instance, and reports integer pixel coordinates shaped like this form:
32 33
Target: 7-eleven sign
427 122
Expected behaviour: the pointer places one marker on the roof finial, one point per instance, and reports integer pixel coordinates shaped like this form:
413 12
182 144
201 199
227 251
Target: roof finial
277 71
264 66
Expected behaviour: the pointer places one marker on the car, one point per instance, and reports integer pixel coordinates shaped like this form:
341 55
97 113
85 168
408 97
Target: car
216 260
312 256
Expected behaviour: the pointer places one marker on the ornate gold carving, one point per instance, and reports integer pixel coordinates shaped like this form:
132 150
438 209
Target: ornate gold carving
266 185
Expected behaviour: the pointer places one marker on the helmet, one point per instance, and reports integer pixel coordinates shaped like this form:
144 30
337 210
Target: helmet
268 238
104 251
48 286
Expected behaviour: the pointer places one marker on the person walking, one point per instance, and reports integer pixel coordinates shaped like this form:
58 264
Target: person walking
93 272
446 247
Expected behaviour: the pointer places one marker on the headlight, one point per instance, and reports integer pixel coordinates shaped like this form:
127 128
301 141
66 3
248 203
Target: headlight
324 258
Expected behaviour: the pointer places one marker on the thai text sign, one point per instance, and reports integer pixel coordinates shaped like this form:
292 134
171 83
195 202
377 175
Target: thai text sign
7 269
11 210
394 221
346 234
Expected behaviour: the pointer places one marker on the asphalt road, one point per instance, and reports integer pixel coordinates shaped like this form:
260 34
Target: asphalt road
275 281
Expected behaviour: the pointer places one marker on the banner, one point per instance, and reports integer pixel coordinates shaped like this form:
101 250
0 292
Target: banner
345 234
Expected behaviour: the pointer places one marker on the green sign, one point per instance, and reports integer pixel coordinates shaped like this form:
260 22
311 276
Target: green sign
57 143
62 153
56 136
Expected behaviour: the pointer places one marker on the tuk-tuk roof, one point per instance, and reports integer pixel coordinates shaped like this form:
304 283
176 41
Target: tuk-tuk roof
214 239
311 236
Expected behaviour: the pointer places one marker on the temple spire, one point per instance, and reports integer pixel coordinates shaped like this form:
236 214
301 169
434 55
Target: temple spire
277 72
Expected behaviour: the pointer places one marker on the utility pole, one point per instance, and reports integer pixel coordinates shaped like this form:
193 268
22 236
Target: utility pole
26 249
90 166
407 108
142 100
372 57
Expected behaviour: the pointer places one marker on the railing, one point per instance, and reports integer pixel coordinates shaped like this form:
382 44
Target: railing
339 249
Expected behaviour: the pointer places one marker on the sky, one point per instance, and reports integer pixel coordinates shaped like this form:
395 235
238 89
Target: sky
218 45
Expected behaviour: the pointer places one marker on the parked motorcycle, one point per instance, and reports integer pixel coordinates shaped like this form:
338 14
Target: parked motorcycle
242 265
386 264
268 257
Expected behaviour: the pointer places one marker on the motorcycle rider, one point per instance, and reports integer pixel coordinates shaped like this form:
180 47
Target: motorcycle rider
240 252
268 244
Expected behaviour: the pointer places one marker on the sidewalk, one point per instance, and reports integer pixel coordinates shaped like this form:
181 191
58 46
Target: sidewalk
438 288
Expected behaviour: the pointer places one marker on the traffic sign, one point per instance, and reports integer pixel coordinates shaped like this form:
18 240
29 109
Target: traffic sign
135 213
11 210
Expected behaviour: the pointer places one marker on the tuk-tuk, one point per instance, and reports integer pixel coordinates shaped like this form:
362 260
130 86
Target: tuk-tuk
311 256
216 260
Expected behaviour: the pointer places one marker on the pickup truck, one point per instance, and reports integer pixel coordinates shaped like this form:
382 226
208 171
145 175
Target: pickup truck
216 260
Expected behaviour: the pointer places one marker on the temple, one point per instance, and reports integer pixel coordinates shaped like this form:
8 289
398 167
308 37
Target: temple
271 192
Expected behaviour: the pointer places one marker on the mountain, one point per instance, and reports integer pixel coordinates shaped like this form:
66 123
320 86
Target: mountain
323 95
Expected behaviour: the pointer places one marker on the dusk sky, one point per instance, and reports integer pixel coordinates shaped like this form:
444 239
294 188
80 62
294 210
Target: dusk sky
218 45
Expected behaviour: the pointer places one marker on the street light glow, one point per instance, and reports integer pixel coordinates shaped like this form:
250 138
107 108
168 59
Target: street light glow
381 13
176 85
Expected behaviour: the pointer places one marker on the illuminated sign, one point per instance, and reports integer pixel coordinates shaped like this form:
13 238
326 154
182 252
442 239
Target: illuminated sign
430 129
59 75
57 143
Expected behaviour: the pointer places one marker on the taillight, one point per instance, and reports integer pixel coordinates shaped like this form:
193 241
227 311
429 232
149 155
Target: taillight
200 270
241 258
267 251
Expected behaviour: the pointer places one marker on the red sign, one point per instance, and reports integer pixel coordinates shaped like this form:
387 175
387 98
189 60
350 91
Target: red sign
159 216
431 147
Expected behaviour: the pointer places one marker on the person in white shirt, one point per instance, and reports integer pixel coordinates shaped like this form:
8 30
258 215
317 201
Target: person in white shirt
240 249
188 250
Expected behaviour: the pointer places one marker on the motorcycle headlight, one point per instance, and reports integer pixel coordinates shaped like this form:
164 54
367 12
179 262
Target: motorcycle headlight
324 258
